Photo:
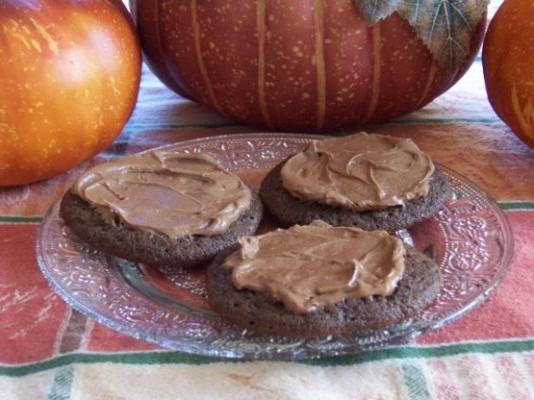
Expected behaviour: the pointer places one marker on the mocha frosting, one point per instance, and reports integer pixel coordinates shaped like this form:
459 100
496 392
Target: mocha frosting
174 194
309 267
359 172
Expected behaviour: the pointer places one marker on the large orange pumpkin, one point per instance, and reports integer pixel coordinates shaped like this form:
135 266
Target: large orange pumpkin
508 60
69 77
307 65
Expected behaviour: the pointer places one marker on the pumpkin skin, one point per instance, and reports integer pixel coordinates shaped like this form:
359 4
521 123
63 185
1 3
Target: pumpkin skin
69 74
269 64
508 60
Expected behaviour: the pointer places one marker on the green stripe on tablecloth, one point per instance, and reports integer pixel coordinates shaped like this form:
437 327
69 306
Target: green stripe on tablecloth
16 219
215 125
517 205
134 127
62 384
168 358
415 381
416 352
442 121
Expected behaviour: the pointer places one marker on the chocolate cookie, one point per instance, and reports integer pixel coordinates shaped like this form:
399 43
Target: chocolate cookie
259 312
153 248
289 210
161 207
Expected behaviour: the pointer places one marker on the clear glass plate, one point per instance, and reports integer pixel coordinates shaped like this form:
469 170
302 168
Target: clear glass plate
470 239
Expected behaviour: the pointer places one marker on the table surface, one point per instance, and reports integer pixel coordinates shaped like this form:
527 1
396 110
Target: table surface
48 350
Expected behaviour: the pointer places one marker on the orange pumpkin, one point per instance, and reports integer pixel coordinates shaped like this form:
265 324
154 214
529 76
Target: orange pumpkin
508 59
308 65
69 77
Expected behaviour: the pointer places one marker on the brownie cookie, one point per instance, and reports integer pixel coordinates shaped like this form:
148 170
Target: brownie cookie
370 181
260 311
153 248
161 208
289 210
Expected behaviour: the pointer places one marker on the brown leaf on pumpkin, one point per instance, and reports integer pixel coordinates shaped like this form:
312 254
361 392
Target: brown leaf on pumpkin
375 10
444 26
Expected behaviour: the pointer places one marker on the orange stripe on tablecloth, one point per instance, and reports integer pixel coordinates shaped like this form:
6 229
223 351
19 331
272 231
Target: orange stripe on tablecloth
103 339
507 313
31 313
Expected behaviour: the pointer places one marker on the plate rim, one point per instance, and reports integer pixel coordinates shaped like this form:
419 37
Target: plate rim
398 331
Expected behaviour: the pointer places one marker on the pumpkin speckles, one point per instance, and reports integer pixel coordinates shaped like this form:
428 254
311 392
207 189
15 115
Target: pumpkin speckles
508 68
300 65
70 75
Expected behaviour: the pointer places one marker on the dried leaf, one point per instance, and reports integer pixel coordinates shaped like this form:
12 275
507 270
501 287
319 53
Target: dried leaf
444 26
375 10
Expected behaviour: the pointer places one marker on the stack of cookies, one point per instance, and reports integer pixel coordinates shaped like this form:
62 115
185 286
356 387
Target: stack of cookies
337 269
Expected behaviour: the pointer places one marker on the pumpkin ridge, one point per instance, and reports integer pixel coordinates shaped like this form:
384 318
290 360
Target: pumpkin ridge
198 49
320 63
180 87
431 76
377 61
525 115
261 32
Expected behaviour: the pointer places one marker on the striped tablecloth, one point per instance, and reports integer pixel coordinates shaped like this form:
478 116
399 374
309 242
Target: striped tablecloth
49 351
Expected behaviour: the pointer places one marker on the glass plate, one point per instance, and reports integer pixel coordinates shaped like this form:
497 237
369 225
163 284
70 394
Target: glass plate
469 238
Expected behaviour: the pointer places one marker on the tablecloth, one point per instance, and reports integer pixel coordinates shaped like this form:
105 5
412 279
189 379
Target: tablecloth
50 351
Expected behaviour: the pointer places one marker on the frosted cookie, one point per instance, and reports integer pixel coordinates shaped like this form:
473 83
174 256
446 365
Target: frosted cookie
318 280
369 181
161 208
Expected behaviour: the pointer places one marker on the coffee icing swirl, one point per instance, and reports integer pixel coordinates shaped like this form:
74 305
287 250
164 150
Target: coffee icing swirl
174 194
309 267
359 172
